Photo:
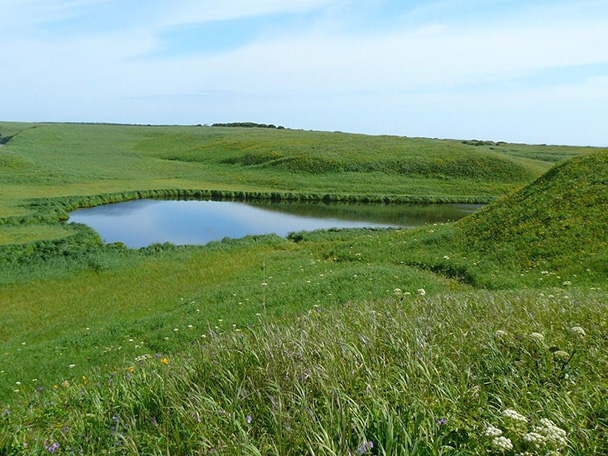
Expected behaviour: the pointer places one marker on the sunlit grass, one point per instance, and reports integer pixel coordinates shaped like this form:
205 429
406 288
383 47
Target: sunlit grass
331 342
406 375
19 234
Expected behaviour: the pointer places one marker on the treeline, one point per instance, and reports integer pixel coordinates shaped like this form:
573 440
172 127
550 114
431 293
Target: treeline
248 125
477 142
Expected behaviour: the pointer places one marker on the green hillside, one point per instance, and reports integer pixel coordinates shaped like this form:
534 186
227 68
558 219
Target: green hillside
558 221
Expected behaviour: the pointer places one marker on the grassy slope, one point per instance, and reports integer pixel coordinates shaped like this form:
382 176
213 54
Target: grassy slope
560 219
86 288
61 160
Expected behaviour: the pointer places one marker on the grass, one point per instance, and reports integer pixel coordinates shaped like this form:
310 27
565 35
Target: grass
59 160
408 375
328 340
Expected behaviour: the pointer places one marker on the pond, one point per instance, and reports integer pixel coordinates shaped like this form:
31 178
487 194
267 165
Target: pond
143 222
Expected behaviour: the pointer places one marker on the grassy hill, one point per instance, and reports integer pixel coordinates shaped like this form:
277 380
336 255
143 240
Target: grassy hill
560 219
323 343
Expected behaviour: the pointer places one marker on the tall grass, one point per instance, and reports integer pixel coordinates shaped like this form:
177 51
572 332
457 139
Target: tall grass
408 375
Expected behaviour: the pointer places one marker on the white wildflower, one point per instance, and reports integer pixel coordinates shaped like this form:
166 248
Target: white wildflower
566 283
502 443
492 431
500 334
562 355
552 433
535 439
398 292
515 416
577 331
446 257
538 337
421 291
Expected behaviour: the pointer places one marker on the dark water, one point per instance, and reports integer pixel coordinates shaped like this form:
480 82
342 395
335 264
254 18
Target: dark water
143 222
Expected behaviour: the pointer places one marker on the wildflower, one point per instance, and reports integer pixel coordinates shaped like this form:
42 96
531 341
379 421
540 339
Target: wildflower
446 257
365 447
561 355
6 413
164 361
397 292
249 419
492 431
515 416
72 366
52 448
535 439
577 331
538 337
566 283
502 443
500 334
552 433
421 291
441 421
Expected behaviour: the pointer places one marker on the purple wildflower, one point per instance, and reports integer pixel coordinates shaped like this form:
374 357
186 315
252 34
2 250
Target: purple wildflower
115 418
6 412
66 429
249 419
54 447
442 421
365 447
40 389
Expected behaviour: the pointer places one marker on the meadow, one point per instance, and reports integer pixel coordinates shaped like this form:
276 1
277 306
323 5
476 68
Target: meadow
331 342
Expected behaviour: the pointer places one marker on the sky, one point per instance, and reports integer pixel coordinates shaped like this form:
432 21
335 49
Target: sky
505 70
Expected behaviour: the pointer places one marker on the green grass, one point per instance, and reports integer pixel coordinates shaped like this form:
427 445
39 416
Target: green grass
307 335
409 374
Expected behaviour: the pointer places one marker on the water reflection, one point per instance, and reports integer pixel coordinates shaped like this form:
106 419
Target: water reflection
143 222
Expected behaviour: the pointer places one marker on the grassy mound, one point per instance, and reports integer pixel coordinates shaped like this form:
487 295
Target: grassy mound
560 219
323 153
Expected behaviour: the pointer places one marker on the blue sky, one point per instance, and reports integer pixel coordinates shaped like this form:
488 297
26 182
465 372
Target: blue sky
512 70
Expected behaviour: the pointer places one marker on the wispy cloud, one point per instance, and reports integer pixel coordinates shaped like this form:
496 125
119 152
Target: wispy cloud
200 11
419 61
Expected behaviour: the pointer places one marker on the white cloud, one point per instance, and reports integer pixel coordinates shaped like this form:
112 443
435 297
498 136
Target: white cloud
320 77
200 11
23 15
